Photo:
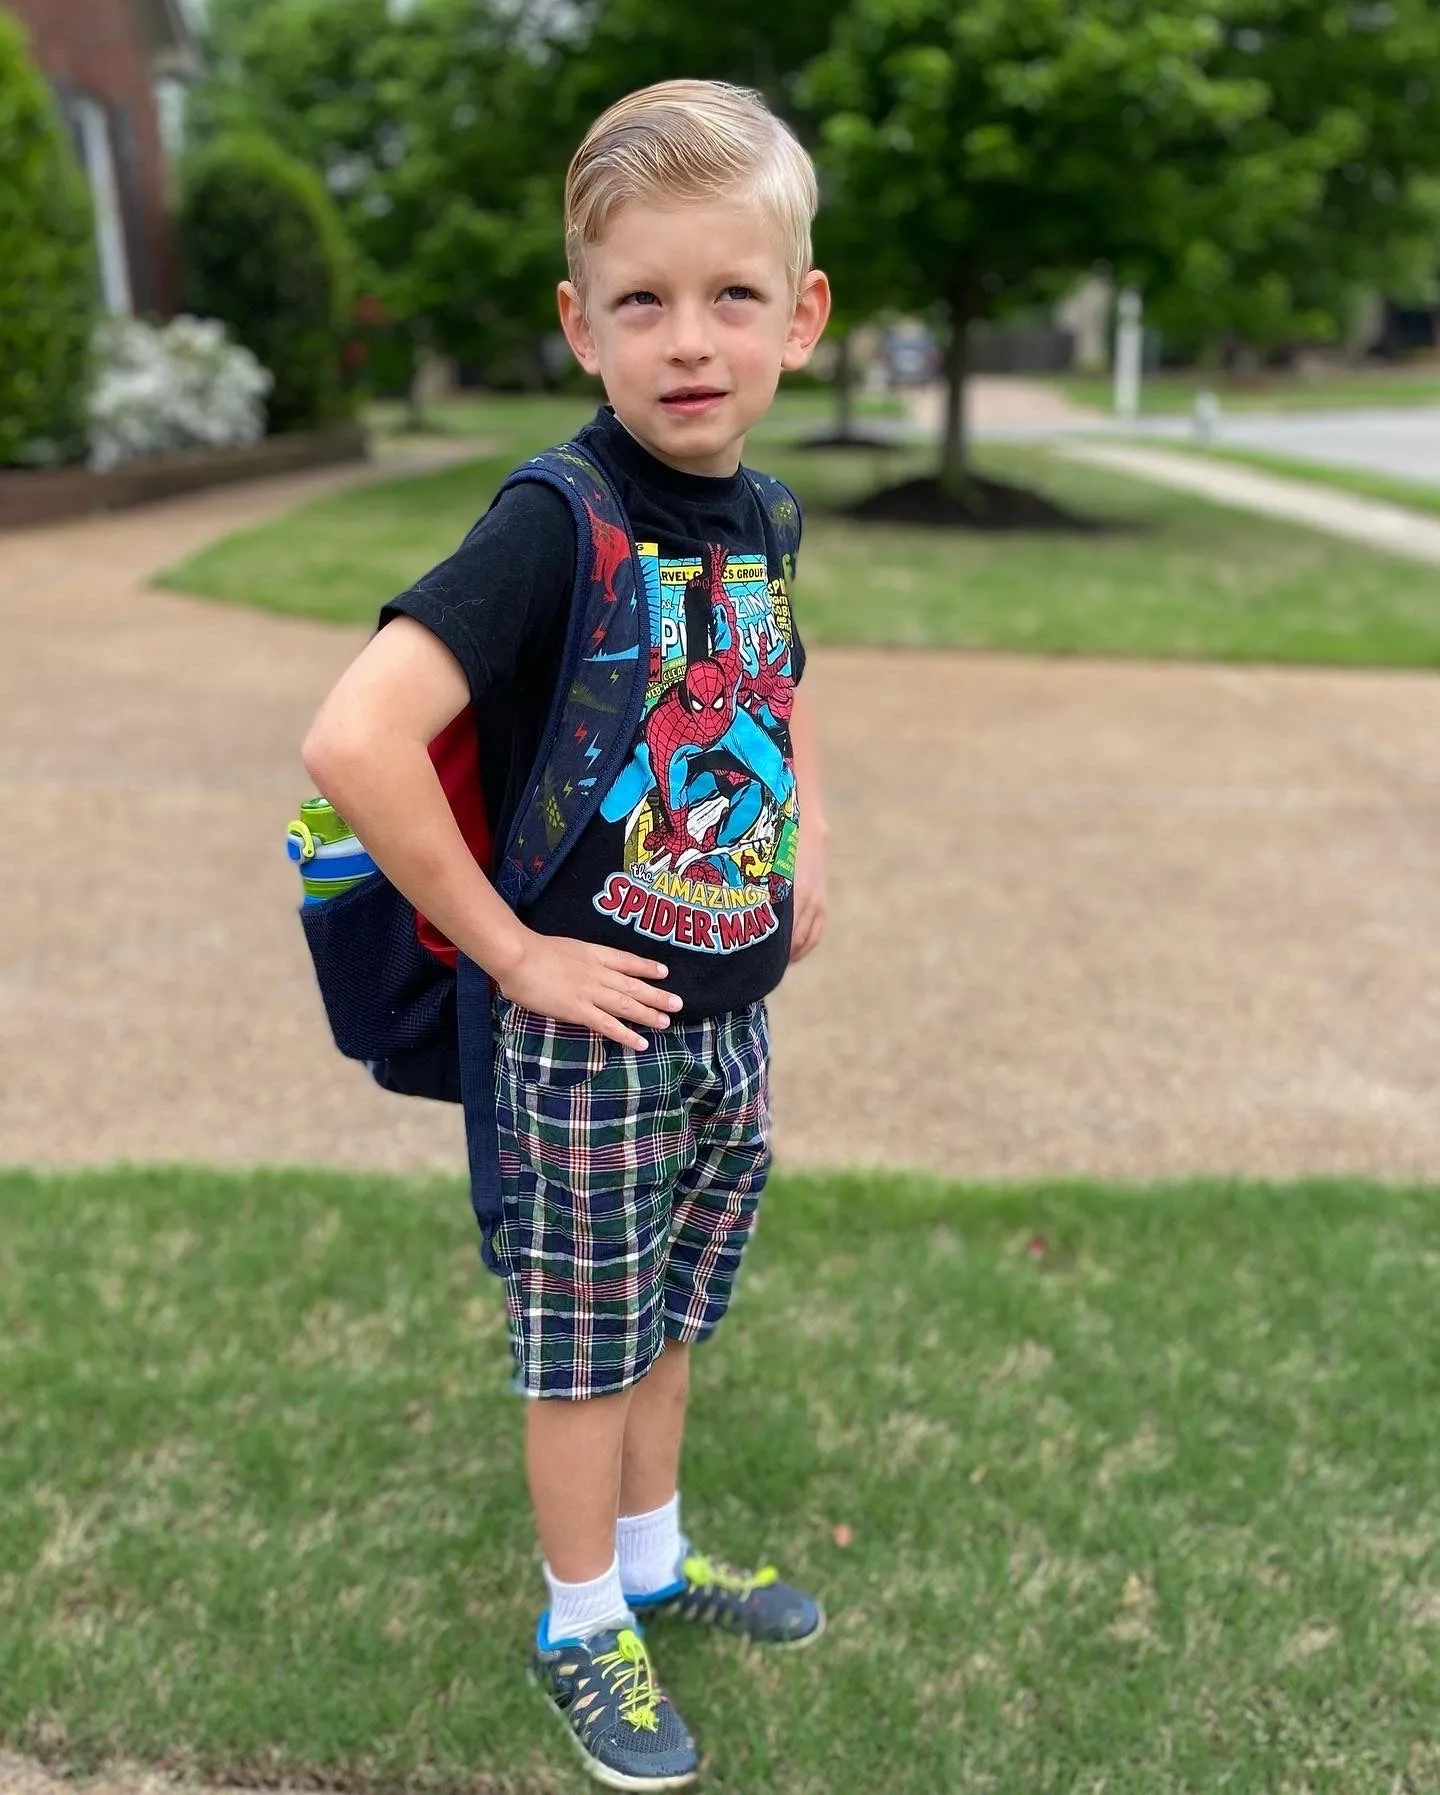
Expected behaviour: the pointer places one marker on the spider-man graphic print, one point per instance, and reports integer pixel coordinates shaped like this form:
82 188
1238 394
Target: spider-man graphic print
707 798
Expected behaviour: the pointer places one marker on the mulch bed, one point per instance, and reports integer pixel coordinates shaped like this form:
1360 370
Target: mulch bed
981 504
883 445
30 496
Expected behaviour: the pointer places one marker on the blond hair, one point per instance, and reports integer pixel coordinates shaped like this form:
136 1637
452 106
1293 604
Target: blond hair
690 140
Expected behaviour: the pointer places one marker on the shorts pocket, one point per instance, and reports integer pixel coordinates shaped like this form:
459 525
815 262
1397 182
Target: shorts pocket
623 1128
538 1051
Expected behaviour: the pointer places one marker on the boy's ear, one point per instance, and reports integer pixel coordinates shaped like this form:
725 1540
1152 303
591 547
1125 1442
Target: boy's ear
807 321
577 328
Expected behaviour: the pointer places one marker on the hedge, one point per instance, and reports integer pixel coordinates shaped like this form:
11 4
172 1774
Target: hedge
262 248
49 294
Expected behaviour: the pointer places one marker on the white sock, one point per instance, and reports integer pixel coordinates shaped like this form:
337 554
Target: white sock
649 1549
579 1609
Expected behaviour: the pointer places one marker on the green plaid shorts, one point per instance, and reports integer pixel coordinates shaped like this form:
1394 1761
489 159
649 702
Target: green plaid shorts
630 1184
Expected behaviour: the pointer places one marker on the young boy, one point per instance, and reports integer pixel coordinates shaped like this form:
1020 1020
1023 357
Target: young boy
631 1092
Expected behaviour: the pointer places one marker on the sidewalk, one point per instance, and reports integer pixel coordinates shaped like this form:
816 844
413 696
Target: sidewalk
999 403
1390 528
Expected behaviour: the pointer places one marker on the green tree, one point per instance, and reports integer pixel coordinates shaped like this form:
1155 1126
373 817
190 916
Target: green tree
860 285
995 145
1270 230
296 70
434 131
1001 147
48 293
614 46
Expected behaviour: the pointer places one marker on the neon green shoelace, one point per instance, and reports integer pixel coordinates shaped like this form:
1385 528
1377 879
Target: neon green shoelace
709 1573
630 1665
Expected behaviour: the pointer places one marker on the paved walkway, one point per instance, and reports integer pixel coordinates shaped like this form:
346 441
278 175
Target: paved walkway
1400 440
996 404
1391 528
1107 918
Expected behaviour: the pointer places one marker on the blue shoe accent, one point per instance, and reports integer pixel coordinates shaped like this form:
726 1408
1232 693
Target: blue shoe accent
660 1595
543 1641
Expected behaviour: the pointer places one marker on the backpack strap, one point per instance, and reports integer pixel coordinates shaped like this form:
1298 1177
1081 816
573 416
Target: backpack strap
598 697
594 714
781 511
476 1041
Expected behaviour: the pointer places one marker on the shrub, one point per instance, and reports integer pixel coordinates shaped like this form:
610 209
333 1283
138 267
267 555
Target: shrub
48 291
180 387
263 249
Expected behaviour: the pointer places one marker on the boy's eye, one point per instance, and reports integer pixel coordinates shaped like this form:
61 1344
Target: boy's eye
738 293
640 298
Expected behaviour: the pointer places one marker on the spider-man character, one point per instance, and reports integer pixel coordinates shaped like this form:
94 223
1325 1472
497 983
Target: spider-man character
768 691
703 756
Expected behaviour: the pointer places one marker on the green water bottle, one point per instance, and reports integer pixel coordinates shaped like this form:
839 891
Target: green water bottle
321 844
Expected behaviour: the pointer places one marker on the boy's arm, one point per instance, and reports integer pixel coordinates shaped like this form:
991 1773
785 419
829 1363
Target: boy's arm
811 904
368 753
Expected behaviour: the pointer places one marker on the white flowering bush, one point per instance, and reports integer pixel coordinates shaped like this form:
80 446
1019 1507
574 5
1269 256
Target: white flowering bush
181 386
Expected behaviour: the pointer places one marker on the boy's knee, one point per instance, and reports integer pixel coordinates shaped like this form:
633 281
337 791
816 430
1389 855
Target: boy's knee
672 1363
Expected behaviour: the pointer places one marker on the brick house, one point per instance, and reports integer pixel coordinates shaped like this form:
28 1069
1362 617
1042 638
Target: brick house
106 60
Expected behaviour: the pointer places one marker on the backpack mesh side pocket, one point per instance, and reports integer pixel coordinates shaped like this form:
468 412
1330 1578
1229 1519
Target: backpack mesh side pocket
384 994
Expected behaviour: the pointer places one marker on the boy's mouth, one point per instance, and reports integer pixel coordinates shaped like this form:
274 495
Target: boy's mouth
691 401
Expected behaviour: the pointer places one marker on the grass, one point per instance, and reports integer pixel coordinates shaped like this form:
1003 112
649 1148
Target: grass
795 408
1176 577
1338 389
1142 1487
1412 495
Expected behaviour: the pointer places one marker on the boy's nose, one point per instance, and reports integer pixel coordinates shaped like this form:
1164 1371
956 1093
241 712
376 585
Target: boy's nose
689 336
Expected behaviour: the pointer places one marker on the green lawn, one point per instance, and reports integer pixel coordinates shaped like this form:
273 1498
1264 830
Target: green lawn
1143 1488
1176 577
801 410
1340 389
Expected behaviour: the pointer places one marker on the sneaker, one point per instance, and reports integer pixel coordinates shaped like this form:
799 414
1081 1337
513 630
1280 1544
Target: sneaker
624 1724
755 1603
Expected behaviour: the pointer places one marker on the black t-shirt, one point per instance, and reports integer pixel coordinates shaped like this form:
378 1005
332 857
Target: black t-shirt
691 856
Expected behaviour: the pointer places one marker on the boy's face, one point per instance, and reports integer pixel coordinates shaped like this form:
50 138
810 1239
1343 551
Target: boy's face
688 319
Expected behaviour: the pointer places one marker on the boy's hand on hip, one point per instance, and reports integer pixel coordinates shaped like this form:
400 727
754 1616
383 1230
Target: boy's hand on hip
812 905
598 987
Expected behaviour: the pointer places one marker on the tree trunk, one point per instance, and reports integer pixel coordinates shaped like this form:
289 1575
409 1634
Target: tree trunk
415 419
954 450
844 389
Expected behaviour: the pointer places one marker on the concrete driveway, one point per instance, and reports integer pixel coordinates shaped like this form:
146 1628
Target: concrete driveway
1123 919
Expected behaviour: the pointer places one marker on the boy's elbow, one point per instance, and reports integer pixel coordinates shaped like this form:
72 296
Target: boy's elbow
313 751
325 755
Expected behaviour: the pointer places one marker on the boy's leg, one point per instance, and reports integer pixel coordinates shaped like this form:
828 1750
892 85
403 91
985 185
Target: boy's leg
655 1433
572 1461
584 1144
712 1220
647 1537
590 1660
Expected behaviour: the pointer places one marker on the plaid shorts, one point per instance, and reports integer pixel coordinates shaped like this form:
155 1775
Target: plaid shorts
630 1185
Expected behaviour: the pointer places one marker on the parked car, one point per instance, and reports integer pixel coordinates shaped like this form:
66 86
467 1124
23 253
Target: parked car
912 356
